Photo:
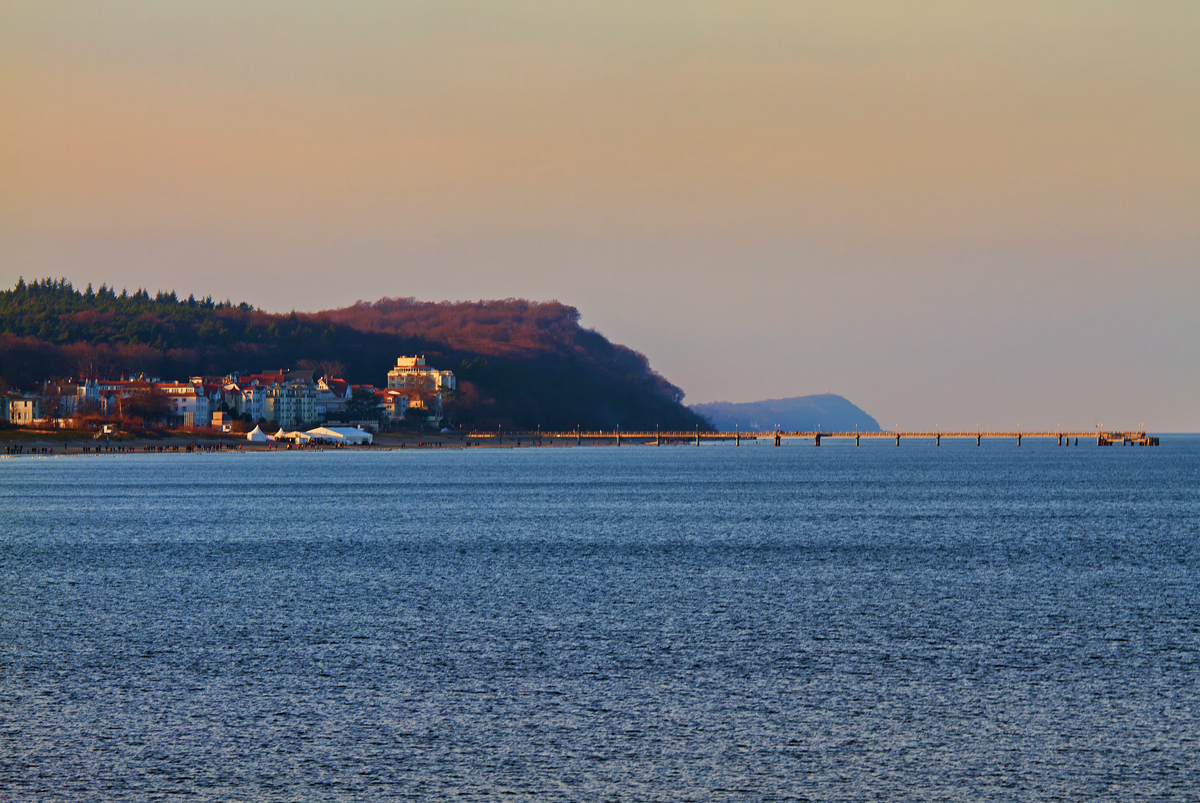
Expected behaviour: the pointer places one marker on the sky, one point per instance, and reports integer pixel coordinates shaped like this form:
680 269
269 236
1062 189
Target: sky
954 214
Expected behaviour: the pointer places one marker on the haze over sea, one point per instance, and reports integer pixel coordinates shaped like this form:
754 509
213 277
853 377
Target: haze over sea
716 623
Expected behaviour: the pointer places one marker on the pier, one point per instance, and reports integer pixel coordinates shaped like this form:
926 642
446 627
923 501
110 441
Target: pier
658 438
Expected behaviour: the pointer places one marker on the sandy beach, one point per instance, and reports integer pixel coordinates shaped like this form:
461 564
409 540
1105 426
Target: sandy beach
17 442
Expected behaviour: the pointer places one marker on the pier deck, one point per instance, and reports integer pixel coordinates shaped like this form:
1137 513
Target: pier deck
1063 437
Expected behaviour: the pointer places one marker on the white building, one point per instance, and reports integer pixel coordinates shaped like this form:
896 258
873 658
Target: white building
189 405
23 410
88 395
414 374
245 400
290 405
332 396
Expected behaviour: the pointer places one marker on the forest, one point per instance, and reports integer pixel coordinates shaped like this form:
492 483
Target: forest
520 364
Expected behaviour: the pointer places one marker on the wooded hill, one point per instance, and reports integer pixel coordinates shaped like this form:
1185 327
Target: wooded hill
520 364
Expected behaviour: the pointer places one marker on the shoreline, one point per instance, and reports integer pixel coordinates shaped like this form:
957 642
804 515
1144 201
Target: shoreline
73 443
76 443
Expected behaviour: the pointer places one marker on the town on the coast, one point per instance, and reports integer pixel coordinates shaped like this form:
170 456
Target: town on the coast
294 405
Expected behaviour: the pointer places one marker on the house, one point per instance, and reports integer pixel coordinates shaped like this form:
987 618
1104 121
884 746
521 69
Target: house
23 410
245 399
105 396
394 403
109 395
189 405
87 395
213 391
332 396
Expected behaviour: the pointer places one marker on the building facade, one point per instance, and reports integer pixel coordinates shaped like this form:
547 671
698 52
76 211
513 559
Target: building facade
332 396
23 410
413 374
249 400
189 405
290 405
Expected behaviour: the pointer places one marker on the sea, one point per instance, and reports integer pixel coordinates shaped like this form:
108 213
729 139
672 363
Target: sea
634 623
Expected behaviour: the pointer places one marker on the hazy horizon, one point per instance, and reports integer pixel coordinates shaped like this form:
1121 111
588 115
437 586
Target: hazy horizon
948 214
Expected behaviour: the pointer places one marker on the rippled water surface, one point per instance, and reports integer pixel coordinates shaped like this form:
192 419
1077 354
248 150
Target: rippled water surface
681 623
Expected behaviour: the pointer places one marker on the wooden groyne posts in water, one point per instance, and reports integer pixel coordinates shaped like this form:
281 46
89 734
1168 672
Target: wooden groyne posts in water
618 437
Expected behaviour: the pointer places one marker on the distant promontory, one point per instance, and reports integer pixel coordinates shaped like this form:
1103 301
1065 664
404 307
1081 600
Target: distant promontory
827 411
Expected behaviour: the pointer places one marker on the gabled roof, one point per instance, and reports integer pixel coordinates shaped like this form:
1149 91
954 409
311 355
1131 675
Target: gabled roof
339 387
305 376
264 379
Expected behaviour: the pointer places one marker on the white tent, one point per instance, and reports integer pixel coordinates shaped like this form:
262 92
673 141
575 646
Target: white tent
280 434
258 435
341 435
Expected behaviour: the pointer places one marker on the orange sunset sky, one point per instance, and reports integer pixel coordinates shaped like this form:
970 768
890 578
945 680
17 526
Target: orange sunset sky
951 213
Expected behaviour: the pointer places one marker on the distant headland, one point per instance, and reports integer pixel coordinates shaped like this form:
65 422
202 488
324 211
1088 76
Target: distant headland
827 411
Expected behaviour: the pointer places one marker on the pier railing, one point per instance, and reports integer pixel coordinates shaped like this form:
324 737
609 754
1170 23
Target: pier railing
1063 437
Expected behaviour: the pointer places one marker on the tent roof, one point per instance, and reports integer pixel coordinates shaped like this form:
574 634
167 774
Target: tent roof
257 434
348 433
